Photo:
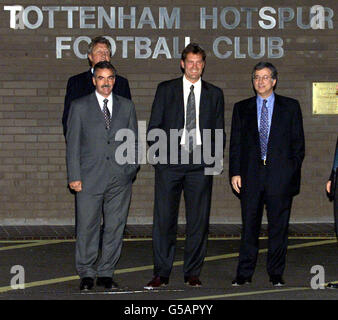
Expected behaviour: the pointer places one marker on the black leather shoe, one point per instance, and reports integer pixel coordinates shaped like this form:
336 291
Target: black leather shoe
106 282
277 281
86 284
239 281
332 285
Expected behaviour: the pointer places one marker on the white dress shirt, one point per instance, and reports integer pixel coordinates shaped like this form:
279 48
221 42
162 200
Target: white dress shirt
100 99
197 91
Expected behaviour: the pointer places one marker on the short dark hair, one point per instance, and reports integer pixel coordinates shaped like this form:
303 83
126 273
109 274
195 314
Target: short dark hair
263 64
104 65
195 49
97 40
192 48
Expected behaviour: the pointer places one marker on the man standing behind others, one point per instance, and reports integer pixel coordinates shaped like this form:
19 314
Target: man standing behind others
266 153
82 84
195 105
99 180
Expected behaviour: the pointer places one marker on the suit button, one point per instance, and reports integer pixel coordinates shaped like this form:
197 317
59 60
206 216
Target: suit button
107 158
108 142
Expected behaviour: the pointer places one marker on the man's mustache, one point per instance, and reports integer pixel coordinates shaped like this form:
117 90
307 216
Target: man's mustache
105 86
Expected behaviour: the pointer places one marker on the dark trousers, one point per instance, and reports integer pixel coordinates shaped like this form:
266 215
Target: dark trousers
278 214
170 181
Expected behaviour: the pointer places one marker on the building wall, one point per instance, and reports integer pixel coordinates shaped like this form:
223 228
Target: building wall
33 81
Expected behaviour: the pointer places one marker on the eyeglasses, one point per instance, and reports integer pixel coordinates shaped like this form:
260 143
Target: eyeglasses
102 53
264 78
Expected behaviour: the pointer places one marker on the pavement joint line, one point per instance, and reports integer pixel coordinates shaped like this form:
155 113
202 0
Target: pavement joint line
149 267
311 244
40 283
30 244
52 241
312 237
239 294
295 246
128 292
20 241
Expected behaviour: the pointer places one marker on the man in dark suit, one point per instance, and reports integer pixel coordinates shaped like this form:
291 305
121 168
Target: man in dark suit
81 84
100 180
194 105
266 153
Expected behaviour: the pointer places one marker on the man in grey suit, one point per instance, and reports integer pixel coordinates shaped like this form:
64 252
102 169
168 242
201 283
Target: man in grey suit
98 174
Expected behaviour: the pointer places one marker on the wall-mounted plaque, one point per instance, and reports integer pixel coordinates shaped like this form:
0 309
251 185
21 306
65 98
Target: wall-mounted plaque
325 98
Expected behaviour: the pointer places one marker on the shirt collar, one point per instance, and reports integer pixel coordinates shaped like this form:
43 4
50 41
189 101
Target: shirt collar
269 99
101 98
188 83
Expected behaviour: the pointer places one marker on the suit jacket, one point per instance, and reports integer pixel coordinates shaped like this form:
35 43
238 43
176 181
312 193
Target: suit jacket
286 146
334 173
168 110
82 84
91 147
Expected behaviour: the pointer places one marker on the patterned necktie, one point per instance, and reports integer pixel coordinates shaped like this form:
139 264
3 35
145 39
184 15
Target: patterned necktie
191 119
106 113
263 132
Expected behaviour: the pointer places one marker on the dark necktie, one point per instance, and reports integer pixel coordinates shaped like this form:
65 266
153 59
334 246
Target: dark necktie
191 119
263 132
106 113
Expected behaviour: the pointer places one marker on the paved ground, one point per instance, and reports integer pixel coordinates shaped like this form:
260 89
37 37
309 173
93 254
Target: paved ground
46 261
49 271
44 232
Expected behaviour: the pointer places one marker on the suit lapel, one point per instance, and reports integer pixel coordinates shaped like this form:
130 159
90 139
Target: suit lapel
116 111
89 77
203 106
179 103
95 107
252 120
276 124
